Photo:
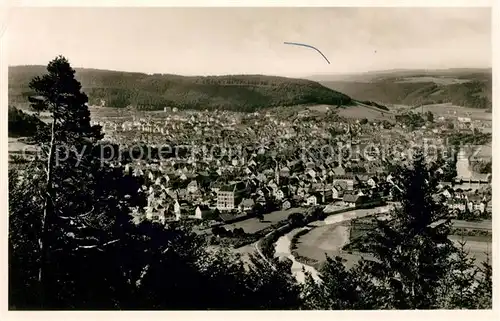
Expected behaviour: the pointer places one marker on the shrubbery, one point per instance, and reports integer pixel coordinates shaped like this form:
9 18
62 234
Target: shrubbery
22 124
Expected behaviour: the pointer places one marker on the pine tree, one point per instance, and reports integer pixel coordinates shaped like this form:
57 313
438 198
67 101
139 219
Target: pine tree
338 288
59 93
459 288
484 289
82 199
411 249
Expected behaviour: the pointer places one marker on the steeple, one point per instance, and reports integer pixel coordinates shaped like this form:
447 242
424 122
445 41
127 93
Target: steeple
277 174
349 133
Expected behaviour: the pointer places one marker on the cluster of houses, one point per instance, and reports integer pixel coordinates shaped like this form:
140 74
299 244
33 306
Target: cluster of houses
273 170
461 201
173 195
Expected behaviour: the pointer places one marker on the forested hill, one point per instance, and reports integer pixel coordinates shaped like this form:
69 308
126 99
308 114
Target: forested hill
463 87
152 92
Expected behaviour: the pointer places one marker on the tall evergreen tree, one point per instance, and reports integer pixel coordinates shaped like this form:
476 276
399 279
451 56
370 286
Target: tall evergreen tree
338 288
484 288
459 285
59 93
82 199
411 249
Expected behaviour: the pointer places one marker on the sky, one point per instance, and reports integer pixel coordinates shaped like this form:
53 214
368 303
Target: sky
202 41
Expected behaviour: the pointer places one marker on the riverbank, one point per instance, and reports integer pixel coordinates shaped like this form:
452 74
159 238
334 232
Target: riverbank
284 243
283 249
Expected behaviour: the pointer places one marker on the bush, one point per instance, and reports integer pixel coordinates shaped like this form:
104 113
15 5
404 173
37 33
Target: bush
219 231
304 260
296 219
239 232
21 124
374 104
411 120
470 232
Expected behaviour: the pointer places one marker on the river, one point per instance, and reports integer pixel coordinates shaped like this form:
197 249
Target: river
282 245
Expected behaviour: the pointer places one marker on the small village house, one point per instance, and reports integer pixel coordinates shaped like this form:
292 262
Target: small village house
311 200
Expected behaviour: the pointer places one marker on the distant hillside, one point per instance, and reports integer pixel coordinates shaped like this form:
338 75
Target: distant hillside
152 92
463 87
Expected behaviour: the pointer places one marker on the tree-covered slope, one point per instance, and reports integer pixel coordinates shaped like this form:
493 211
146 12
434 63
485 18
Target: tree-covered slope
143 91
462 87
22 124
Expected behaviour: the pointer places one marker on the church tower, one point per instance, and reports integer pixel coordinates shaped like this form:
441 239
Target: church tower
277 174
349 133
463 165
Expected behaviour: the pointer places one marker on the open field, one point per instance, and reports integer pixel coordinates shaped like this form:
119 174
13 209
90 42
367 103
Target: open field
481 225
329 236
359 112
253 225
15 146
323 240
328 240
437 80
282 245
449 110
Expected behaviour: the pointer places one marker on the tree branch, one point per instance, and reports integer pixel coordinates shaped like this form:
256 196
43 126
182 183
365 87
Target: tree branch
97 246
78 216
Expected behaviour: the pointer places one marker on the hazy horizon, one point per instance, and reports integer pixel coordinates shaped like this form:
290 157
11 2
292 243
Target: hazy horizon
264 74
222 41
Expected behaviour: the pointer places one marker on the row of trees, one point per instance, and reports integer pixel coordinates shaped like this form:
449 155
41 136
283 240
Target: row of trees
22 124
73 243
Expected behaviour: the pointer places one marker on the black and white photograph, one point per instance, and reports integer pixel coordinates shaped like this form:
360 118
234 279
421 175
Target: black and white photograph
249 158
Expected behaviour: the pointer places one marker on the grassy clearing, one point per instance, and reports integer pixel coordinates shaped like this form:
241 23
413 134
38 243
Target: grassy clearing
360 112
253 225
322 241
16 146
450 110
437 80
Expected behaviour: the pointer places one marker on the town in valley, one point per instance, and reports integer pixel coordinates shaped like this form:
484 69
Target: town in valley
240 190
